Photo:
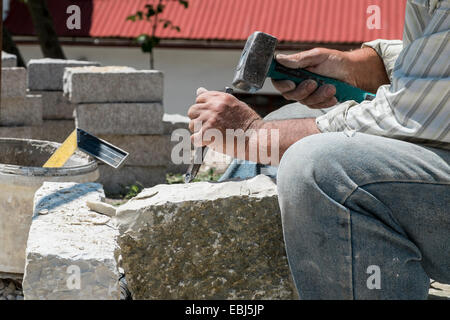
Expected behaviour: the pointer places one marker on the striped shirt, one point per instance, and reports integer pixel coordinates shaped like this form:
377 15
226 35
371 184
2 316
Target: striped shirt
415 106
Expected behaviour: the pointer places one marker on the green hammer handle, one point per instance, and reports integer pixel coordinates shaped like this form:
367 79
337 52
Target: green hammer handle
344 91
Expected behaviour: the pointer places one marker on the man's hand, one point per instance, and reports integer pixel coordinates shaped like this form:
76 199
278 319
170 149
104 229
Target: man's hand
220 111
361 68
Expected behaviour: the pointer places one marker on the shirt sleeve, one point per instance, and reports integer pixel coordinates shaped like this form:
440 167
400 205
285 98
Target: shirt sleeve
415 106
388 50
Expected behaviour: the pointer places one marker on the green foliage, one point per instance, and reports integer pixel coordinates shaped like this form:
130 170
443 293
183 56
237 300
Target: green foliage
211 175
133 190
151 14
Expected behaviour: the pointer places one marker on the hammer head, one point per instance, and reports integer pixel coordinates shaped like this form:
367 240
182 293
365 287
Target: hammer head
255 61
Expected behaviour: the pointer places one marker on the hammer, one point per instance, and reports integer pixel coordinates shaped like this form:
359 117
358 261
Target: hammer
257 63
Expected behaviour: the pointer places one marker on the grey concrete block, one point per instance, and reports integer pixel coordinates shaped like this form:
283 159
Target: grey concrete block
112 84
205 241
173 122
145 150
71 250
47 74
120 118
50 130
115 181
55 105
14 82
21 111
8 60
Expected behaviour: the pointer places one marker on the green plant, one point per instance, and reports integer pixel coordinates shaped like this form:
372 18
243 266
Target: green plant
133 190
210 175
151 14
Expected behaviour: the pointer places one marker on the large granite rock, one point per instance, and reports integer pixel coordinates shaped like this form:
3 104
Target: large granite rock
112 84
71 250
205 241
47 74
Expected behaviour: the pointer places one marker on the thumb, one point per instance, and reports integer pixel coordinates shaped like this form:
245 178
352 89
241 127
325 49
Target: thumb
301 60
201 90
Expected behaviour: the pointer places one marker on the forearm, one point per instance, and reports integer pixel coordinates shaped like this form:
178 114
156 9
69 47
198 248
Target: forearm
367 69
269 140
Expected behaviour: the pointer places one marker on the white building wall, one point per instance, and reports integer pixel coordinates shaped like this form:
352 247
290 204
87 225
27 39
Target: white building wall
184 69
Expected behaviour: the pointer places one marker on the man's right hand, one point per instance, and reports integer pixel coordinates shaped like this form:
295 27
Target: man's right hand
361 68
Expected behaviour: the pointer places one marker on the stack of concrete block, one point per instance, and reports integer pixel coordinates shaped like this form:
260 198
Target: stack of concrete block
124 106
8 60
45 77
17 107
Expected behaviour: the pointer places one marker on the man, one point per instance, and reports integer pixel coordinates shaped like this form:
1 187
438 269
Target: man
364 189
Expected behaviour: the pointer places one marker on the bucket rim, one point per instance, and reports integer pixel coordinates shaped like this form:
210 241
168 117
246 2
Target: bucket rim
11 169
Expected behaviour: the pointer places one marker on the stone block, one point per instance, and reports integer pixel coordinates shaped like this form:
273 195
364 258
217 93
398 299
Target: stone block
120 118
205 241
8 60
47 74
50 130
21 111
71 250
151 150
14 82
112 84
55 105
116 181
172 122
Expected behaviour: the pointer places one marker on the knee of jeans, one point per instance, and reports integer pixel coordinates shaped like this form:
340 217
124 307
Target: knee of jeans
318 162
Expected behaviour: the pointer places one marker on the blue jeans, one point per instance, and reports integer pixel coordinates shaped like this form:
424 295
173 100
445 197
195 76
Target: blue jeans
365 217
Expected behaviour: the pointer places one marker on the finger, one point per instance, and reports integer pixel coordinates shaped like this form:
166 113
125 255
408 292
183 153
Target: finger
329 103
205 96
195 110
303 90
302 59
283 85
197 139
201 90
321 95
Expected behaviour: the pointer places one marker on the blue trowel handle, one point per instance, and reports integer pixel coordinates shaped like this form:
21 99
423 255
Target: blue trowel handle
344 91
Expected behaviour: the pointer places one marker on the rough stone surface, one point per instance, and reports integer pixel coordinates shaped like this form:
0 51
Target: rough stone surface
21 111
112 84
115 181
173 122
120 118
11 289
8 60
47 74
14 82
55 105
66 239
50 130
205 241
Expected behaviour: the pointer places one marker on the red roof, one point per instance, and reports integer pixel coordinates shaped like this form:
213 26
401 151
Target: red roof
336 21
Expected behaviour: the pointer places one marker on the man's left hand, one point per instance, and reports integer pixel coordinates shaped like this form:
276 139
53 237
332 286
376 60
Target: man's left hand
220 111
